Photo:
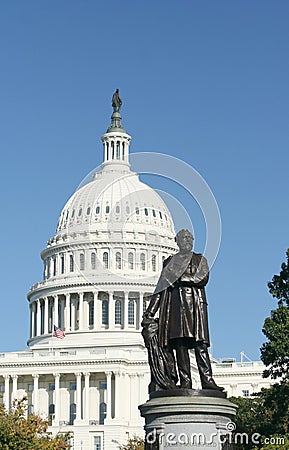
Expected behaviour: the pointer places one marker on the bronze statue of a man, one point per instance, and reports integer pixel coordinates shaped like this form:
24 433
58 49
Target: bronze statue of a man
183 319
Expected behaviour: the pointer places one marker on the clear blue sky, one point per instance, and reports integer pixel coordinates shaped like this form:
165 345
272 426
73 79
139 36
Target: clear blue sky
204 81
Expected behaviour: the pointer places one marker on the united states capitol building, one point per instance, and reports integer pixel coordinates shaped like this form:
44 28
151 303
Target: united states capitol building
100 269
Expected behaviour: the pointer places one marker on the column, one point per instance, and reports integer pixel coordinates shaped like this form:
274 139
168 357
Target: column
86 389
46 302
73 315
133 396
38 318
67 312
118 394
7 392
35 392
33 331
96 311
140 308
108 395
125 311
78 396
55 311
57 398
80 316
110 310
14 386
62 309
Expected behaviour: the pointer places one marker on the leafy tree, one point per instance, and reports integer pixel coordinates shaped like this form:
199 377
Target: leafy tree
17 432
134 443
275 352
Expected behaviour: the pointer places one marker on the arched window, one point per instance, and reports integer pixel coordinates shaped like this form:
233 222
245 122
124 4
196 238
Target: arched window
104 312
107 209
81 261
112 148
127 209
146 212
97 210
143 261
163 258
72 413
117 209
131 312
93 260
71 263
130 260
91 313
123 150
117 150
161 215
105 260
72 214
154 213
102 413
62 263
117 312
137 211
88 211
79 212
118 260
154 263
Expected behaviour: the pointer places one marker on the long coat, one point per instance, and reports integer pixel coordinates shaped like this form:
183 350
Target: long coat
183 305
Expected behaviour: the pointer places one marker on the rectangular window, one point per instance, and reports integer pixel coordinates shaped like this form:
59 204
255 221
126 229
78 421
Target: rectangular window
73 386
52 387
30 387
245 393
103 385
2 388
97 443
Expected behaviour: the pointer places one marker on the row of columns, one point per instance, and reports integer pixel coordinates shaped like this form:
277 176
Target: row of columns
114 406
69 309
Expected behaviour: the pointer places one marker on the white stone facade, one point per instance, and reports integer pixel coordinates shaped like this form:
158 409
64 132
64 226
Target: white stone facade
100 269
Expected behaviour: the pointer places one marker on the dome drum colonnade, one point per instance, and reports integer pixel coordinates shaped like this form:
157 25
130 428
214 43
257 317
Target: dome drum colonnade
88 311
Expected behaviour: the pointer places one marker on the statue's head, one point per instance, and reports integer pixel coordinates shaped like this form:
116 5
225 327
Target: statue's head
184 239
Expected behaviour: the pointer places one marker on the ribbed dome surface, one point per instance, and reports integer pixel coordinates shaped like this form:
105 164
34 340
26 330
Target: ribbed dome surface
113 201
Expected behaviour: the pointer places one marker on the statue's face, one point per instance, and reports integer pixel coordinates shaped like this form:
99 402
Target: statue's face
185 241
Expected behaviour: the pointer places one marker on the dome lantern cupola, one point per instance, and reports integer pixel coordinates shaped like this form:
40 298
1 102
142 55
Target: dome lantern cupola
116 140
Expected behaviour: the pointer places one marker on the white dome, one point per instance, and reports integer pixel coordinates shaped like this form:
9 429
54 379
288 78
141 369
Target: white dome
112 202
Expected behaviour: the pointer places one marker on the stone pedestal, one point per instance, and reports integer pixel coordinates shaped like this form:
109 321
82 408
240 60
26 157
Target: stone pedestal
188 420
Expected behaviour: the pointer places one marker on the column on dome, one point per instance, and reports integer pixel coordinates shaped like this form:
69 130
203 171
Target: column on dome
125 311
7 392
73 312
46 318
96 311
78 395
35 392
108 396
86 391
57 398
133 395
80 311
110 310
32 309
140 310
62 310
55 318
38 317
67 312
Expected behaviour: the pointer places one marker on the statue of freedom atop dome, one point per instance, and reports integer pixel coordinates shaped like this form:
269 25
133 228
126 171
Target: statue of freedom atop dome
116 101
181 301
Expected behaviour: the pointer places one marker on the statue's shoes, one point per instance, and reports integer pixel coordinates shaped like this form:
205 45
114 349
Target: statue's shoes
212 385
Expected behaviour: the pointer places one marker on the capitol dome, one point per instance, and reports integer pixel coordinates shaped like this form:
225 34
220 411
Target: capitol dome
102 264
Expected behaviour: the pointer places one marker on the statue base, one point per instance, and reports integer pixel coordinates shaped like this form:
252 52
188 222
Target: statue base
188 419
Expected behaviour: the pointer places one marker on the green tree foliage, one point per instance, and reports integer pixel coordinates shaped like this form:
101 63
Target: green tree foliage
275 352
17 432
134 443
